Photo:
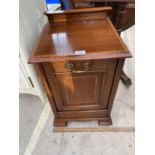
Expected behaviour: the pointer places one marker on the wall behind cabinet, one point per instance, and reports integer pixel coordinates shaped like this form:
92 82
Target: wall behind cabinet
31 23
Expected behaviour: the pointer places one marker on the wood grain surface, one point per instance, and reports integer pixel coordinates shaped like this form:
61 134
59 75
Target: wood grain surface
105 129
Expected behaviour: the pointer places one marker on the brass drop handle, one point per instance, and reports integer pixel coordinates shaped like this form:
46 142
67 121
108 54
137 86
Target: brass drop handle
71 67
86 65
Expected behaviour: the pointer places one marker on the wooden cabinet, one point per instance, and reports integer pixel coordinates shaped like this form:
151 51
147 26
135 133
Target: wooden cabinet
80 89
79 59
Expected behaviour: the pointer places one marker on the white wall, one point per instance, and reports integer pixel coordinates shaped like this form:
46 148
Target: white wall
31 22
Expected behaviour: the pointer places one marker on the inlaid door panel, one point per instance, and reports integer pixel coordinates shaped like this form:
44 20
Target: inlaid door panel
81 91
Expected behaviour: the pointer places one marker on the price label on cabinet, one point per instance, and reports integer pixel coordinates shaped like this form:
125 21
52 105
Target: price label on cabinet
80 52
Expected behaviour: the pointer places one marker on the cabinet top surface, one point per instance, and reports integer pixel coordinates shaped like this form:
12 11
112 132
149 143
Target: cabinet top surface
60 41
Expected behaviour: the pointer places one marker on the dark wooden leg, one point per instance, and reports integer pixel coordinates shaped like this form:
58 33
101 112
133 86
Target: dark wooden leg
125 79
59 123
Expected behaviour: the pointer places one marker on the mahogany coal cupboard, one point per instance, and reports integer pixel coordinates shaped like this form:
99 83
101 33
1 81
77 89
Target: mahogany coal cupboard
79 58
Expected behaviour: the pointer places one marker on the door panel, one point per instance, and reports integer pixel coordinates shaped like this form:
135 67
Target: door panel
81 91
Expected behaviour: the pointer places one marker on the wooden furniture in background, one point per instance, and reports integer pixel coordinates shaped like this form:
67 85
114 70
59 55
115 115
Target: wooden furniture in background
122 16
79 59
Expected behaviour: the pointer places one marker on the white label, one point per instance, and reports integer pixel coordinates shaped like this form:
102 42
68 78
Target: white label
81 52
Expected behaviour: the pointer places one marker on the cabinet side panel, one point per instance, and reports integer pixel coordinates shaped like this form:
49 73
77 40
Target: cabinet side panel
118 72
42 78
